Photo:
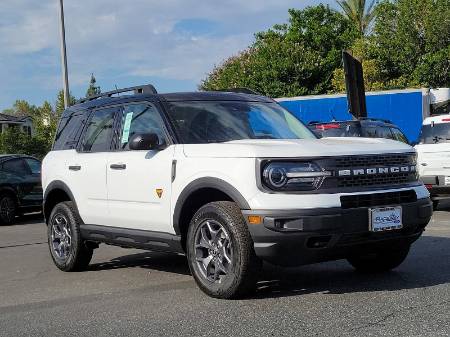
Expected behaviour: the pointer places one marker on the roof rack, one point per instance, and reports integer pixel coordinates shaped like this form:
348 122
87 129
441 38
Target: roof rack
142 89
241 91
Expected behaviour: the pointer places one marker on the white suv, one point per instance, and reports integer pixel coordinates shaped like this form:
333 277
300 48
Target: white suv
433 156
231 179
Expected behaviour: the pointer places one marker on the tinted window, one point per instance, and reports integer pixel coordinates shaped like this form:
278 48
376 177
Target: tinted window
436 133
140 118
211 122
377 132
16 166
99 130
34 165
69 131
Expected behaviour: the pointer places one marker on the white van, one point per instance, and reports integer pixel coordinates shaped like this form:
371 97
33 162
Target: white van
433 159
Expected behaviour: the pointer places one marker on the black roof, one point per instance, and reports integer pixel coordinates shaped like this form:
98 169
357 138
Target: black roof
4 157
169 97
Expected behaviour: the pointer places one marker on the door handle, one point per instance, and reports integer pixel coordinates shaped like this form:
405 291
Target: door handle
118 166
74 167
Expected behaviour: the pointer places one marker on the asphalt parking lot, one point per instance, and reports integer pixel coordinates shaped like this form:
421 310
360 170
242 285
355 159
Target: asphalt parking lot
138 293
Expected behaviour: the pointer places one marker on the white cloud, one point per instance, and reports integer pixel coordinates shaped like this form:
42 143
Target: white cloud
128 38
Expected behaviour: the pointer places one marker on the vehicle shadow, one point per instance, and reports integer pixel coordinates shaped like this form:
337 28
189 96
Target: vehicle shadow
427 265
166 262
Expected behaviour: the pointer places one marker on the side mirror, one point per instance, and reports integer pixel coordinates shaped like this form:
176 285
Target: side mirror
144 141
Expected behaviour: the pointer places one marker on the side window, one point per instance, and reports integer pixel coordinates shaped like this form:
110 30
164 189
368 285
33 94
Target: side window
34 165
97 137
140 118
69 131
16 166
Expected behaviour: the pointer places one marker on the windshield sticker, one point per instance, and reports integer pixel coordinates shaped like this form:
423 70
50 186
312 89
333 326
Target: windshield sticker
126 127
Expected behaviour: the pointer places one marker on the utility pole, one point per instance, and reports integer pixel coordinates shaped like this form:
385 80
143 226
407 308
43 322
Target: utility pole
64 56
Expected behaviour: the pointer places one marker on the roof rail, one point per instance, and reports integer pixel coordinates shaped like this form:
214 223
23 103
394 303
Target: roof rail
241 91
142 89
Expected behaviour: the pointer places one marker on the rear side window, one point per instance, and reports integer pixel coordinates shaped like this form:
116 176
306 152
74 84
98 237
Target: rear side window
16 166
69 131
97 137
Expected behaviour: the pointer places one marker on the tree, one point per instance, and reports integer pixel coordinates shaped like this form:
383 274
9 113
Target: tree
409 47
93 89
297 58
59 105
411 41
359 12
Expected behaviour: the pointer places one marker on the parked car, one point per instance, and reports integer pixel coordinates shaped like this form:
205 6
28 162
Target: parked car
20 186
433 153
230 179
363 127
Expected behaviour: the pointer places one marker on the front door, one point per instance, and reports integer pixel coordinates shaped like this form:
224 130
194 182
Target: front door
139 182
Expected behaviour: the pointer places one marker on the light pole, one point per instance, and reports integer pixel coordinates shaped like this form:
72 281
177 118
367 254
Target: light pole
64 56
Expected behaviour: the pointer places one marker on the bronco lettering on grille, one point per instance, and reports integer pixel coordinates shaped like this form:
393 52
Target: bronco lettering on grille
377 170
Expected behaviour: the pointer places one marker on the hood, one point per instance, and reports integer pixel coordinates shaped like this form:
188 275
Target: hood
294 148
433 148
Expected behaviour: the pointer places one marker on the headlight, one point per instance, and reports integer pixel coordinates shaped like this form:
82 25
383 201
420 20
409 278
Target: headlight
293 176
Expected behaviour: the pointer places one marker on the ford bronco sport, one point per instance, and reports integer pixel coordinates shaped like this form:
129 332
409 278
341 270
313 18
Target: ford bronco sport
231 179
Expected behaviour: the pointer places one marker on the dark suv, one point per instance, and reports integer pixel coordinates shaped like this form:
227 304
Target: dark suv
364 127
20 186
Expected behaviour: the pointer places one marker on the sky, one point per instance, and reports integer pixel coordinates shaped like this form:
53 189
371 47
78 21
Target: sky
172 44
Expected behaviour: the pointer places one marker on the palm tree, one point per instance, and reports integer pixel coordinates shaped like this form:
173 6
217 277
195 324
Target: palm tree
360 12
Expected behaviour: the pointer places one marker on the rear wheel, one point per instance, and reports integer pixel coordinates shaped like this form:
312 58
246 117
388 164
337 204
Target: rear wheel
380 261
8 209
67 248
220 251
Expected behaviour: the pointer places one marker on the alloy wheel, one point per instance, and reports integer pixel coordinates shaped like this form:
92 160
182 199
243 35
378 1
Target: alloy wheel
61 236
213 251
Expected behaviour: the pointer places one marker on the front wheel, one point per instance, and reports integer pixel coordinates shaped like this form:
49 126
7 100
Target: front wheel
220 251
67 248
380 261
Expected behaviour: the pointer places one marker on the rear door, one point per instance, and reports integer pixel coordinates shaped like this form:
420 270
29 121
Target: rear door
87 166
139 182
16 173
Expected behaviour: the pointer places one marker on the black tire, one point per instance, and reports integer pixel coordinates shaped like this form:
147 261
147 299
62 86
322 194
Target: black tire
78 255
8 209
435 204
381 261
243 270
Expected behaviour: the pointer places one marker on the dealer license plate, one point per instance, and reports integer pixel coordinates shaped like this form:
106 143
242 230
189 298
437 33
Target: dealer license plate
385 218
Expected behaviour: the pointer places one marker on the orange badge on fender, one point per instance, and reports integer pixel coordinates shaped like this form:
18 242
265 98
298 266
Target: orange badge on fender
159 192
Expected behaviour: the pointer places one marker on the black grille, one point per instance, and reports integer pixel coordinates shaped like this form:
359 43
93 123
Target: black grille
377 180
378 199
376 160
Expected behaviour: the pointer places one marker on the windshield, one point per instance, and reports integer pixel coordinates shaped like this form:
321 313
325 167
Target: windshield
212 122
436 133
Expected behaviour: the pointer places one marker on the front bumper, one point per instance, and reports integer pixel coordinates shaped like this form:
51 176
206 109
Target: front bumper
317 235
